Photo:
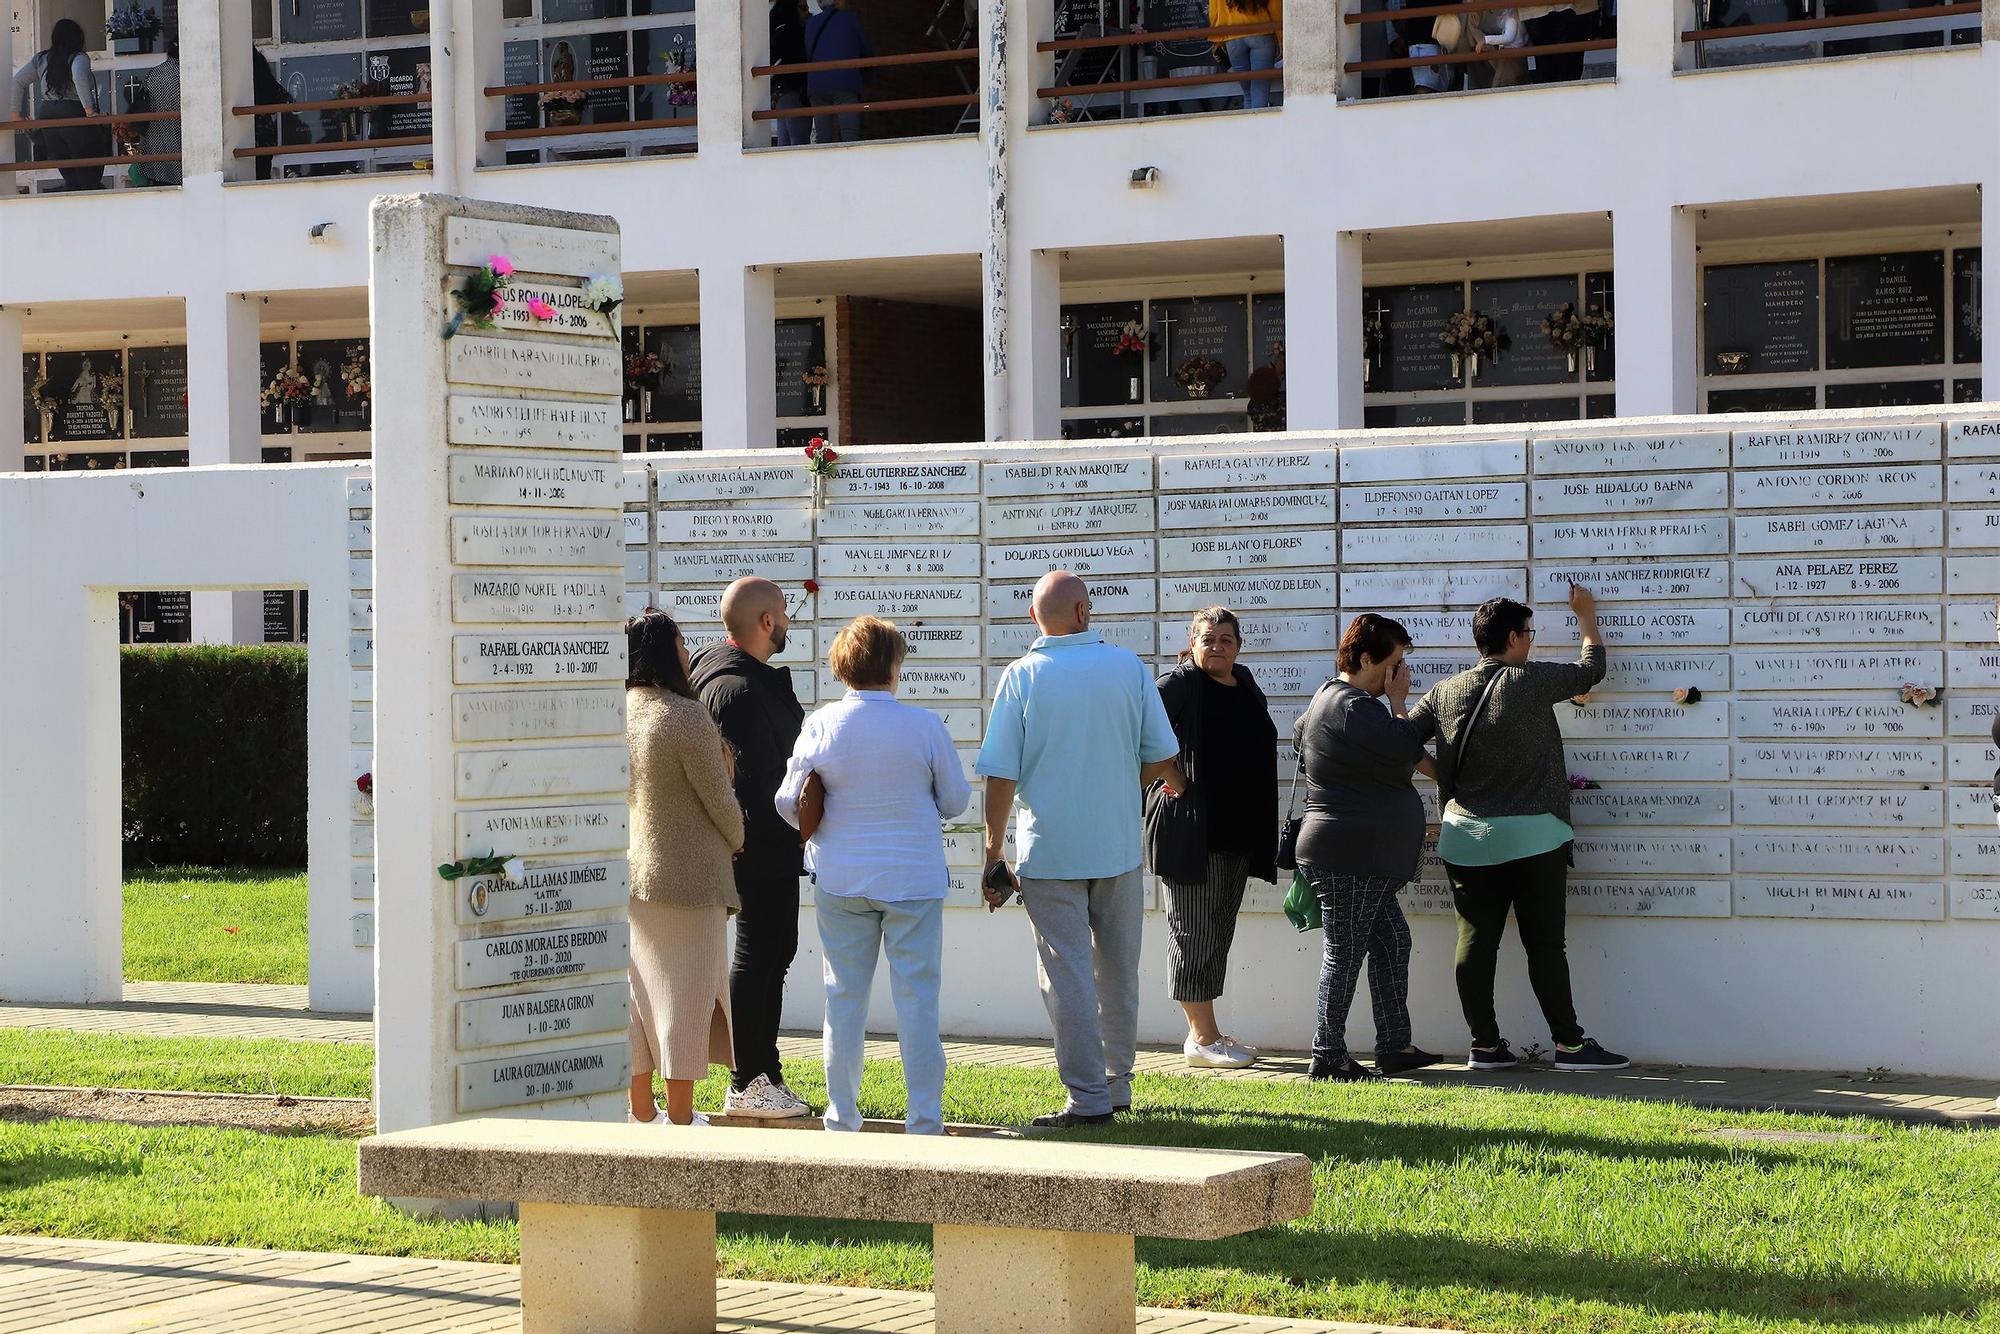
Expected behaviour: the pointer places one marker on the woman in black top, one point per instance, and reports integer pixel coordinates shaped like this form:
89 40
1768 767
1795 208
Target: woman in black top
1360 841
1206 843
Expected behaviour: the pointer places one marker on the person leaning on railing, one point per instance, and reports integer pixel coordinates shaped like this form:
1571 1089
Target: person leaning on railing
1551 25
163 93
1257 52
1489 30
788 91
835 33
59 80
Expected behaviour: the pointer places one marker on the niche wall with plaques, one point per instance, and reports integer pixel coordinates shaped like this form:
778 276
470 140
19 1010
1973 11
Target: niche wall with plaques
662 390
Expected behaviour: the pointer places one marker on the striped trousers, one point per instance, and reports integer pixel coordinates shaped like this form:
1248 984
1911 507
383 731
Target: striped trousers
1201 924
1363 920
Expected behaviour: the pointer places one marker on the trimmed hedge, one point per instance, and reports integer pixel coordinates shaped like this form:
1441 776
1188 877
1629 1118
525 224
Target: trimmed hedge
215 755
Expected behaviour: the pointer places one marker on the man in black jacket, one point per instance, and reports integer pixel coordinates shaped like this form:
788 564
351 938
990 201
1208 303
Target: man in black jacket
754 705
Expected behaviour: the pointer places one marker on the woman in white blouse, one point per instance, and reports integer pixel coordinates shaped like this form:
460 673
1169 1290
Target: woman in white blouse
886 776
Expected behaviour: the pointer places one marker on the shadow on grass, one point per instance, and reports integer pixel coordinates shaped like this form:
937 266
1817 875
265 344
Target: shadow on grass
38 1167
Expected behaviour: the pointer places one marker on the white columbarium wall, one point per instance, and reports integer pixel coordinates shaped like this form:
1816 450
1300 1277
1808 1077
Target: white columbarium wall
1799 870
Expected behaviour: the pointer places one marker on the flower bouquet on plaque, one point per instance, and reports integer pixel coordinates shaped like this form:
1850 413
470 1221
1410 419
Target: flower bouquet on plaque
132 30
481 295
1566 332
1597 330
817 379
111 397
355 375
1131 343
1923 697
604 293
364 797
287 393
1199 375
564 107
45 399
822 462
1468 335
1582 783
642 371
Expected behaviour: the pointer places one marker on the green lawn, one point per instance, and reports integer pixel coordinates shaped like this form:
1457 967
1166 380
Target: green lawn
217 1065
1470 1208
193 924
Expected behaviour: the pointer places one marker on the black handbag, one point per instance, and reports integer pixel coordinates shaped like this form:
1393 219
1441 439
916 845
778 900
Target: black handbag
1288 834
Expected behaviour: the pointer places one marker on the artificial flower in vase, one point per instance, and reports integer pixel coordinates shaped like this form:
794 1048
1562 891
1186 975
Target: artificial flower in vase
481 296
355 376
1469 335
562 109
1131 343
822 461
817 380
642 371
1199 375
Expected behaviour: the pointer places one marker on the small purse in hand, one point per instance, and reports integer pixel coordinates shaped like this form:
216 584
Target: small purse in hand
812 805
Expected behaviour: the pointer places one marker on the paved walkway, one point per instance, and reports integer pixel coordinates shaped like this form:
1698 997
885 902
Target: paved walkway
99 1287
179 1009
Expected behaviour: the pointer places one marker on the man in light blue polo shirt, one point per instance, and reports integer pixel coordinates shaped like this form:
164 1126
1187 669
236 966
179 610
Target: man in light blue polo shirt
1077 730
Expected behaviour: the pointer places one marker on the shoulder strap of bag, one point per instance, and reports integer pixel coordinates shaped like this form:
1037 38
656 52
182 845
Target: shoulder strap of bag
1292 800
1471 721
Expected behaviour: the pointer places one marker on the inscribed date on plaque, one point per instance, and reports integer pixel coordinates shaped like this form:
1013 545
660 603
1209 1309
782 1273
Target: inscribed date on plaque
1974 483
1914 808
1232 551
1885 529
856 480
1647 625
1650 580
1834 670
1417 463
1597 495
1706 535
535 1015
519 363
521 715
480 658
543 831
510 539
1645 673
1834 718
1843 763
1196 472
1622 719
944 518
1838 898
722 565
1870 623
1650 806
560 771
903 560
1112 597
1128 555
1873 444
1818 577
894 599
1257 509
525 479
1656 763
1817 487
1649 898
516 595
1040 477
1682 854
942 641
1420 587
495 961
1465 501
1898 854
762 482
1629 453
533 423
1267 634
1307 590
1078 517
755 523
1479 543
514 1081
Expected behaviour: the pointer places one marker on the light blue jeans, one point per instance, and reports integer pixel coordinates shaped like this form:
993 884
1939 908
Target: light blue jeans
1259 52
1087 954
852 931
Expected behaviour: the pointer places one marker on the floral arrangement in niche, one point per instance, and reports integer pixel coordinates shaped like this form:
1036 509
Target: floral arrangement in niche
678 94
1371 345
817 380
1597 330
1921 696
1566 331
131 137
1582 783
355 374
481 295
46 400
288 386
1688 695
1469 335
1064 112
1131 340
111 396
1199 375
604 293
125 24
822 462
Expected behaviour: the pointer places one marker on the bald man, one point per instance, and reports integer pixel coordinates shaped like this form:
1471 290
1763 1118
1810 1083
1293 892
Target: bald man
758 712
1076 732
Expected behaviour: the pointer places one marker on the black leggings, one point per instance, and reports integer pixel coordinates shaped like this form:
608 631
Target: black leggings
72 141
1536 888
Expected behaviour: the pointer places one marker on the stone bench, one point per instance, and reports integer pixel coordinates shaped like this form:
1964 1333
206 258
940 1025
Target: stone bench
618 1221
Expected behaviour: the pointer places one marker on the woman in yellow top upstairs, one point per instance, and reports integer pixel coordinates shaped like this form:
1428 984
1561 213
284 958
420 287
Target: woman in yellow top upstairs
1259 52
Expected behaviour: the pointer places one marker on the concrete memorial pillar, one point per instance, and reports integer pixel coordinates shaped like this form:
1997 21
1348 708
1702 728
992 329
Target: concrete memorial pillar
499 667
13 389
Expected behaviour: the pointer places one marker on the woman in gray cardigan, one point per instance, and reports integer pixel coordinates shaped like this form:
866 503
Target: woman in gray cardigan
1359 843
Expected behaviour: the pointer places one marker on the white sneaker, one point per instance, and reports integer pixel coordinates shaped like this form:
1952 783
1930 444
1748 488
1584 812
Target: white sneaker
660 1118
765 1101
1220 1054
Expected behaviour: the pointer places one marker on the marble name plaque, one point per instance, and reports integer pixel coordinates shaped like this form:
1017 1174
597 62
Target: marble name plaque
361 650
1202 472
1427 669
1970 715
361 575
1864 899
1110 597
1600 495
1857 763
360 493
533 423
1974 483
786 566
1976 900
1648 898
1650 626
1427 587
516 1081
1817 488
556 771
361 613
1633 453
1971 668
1071 517
928 680
545 890
1302 589
1880 530
855 481
361 880
360 534
1975 854
1603 719
1633 581
899 560
571 315
693 482
1243 551
638 528
1484 543
1834 718
531 956
1650 806
528 479
519 363
1044 477
1679 854
1705 535
477 659
966 725
1820 577
1832 854
543 831
520 539
776 524
566 1013
361 686
893 599
1862 669
1010 639
1901 808
1265 634
1870 623
1427 898
1974 439
639 566
1435 629
1817 448
1636 673
1975 528
901 518
525 595
1972 760
526 715
1974 806
1247 509
1116 555
941 641
1427 504
531 248
1422 463
1294 677
693 607
361 727
1648 763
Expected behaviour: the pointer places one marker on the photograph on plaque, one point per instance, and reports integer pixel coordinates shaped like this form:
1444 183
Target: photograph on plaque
801 347
1401 344
1966 302
405 72
320 79
89 393
589 55
1885 310
332 406
1760 319
1517 307
157 377
1095 373
1199 346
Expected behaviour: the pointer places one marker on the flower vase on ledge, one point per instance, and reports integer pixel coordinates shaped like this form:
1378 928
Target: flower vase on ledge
1472 365
1589 358
1457 366
819 399
1571 357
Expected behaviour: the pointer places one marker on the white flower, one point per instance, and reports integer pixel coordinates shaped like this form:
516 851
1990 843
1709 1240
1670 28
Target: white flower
601 288
515 869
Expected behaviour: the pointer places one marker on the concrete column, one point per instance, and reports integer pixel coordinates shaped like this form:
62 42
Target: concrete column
13 384
995 132
224 426
992 1280
1989 291
216 64
730 37
1322 329
592 1267
1653 273
466 60
1313 50
739 358
1034 371
1023 286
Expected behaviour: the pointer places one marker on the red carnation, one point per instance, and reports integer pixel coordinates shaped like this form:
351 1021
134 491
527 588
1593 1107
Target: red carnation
830 455
366 784
812 585
815 445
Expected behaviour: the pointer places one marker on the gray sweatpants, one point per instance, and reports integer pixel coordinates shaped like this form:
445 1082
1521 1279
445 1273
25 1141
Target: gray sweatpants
1087 956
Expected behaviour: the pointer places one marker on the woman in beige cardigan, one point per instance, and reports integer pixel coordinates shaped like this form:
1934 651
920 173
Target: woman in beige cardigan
686 830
